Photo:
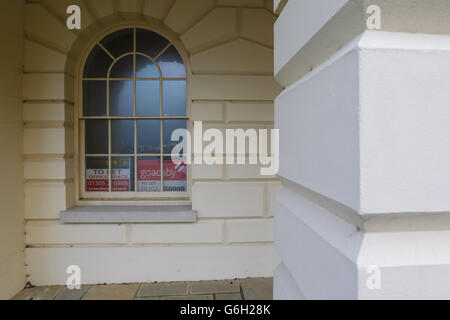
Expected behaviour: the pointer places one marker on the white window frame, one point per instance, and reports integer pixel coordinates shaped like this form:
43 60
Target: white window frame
162 197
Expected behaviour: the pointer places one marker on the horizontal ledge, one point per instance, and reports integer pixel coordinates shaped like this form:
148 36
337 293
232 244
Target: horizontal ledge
129 214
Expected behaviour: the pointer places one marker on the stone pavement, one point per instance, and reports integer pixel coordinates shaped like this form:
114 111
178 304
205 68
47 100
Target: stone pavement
244 289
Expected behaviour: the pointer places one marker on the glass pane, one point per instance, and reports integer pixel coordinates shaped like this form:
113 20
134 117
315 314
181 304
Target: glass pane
149 174
148 98
174 98
175 175
171 64
170 126
149 42
96 136
123 68
145 68
149 136
97 174
94 98
121 98
97 64
119 42
122 178
122 136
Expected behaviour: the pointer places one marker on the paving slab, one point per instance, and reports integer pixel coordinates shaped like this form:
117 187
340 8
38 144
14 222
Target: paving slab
228 296
163 289
252 289
38 293
216 286
111 292
75 294
257 288
190 297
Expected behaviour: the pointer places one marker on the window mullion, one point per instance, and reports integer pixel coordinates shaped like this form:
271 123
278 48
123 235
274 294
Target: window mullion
162 51
162 157
109 137
134 72
134 114
162 127
109 157
107 97
135 157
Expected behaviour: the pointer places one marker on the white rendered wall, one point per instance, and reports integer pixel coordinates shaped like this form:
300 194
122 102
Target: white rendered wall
12 262
364 157
404 123
230 50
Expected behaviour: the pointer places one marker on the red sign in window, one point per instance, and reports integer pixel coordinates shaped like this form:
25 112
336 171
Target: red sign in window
121 180
149 175
97 180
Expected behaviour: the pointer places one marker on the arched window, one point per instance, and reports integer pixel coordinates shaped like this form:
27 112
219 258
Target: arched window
134 89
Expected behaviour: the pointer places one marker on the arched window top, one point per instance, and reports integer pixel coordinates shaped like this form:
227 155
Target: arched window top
122 67
114 56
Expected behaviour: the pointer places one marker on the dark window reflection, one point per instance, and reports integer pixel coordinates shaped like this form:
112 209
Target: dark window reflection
119 42
149 42
121 98
174 97
96 136
122 136
94 98
169 126
171 64
148 98
145 68
123 68
97 64
149 136
122 178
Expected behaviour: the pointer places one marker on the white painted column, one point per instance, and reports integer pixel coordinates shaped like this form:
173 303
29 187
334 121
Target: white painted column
365 150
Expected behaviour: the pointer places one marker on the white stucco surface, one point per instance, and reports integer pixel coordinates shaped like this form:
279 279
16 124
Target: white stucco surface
405 117
318 117
364 148
371 125
12 260
306 18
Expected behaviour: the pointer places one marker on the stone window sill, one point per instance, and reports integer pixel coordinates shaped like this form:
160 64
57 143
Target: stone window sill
129 214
